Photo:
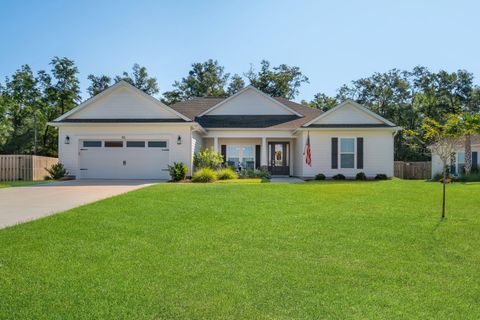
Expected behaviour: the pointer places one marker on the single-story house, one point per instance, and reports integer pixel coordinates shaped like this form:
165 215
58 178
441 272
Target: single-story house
457 162
123 133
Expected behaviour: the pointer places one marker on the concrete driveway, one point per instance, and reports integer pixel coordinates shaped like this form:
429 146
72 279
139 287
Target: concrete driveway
21 204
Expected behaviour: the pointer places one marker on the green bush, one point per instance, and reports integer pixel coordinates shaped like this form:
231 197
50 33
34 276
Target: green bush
361 176
320 176
57 171
207 158
472 177
381 176
338 176
226 174
251 174
204 175
178 171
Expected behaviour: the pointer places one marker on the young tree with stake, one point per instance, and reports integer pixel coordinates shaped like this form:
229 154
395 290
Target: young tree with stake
443 140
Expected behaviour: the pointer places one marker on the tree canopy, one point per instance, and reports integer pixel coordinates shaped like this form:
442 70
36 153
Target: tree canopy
407 98
282 81
138 78
206 79
28 100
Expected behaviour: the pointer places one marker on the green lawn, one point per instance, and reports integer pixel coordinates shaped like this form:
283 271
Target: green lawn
361 250
8 184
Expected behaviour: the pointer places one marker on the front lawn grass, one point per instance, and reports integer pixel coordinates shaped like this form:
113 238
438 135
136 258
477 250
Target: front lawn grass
9 184
342 250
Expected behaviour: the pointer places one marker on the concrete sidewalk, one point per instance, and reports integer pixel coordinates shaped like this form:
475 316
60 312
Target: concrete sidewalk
21 204
286 180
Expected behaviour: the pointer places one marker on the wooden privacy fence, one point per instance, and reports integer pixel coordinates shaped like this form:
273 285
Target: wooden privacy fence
413 170
24 167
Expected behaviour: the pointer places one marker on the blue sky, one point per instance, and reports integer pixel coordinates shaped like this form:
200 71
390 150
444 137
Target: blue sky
333 42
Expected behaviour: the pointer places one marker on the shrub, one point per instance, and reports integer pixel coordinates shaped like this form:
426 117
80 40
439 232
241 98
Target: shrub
320 176
250 174
472 177
204 175
178 171
361 176
226 174
381 176
57 171
338 176
207 159
263 174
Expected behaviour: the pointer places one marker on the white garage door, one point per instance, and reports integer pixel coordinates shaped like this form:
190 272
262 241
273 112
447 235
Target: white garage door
119 159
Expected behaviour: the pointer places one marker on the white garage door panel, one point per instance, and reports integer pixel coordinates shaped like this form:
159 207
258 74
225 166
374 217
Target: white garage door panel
123 163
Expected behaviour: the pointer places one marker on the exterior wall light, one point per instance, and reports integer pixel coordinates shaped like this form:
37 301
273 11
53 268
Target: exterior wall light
179 140
67 140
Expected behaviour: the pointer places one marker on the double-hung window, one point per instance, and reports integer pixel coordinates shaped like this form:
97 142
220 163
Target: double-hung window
347 153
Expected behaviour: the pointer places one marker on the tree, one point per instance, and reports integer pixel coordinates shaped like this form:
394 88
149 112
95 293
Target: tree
282 81
140 79
443 140
322 102
61 93
5 122
207 79
236 84
98 84
21 101
408 97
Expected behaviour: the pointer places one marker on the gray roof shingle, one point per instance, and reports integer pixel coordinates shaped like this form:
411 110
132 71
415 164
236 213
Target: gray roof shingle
192 108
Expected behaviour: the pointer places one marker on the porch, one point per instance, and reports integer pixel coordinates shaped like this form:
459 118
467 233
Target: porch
274 154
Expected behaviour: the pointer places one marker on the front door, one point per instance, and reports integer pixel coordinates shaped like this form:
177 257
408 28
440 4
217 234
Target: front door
278 155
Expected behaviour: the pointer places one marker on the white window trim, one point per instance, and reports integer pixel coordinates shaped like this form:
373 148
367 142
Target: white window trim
340 152
240 152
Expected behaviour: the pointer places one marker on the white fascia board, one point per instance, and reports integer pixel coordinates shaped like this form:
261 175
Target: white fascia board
355 104
392 129
72 124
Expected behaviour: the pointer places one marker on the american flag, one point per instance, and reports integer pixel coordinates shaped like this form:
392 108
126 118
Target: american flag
307 151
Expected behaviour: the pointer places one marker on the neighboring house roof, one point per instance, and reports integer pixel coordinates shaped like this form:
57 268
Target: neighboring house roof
197 106
475 140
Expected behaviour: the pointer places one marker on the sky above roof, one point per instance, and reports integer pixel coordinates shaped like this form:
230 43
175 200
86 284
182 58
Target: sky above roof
333 42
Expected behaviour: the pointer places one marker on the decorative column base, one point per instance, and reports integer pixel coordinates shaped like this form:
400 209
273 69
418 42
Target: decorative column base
264 168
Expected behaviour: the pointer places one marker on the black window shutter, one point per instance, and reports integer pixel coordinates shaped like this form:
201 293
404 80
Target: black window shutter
359 153
224 152
474 160
334 153
257 156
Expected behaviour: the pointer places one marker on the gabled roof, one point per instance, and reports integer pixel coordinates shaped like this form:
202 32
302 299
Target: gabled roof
112 88
386 123
248 88
196 106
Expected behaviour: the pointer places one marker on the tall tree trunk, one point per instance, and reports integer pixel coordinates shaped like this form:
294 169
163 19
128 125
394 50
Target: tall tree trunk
468 154
45 138
35 132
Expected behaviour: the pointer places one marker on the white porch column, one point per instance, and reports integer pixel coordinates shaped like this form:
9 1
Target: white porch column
215 144
263 153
